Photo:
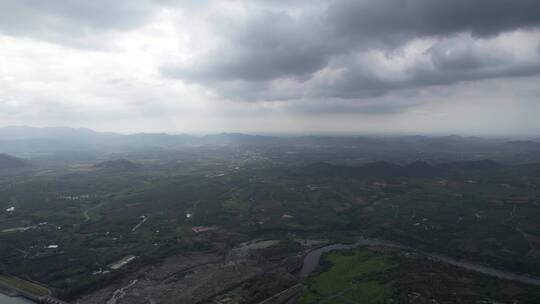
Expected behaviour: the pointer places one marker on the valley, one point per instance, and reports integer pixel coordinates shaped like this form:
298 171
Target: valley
234 225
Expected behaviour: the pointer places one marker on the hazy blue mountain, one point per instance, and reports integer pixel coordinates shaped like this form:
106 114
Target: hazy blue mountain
10 162
86 144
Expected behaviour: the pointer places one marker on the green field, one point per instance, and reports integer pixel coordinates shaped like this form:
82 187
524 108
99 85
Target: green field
393 276
235 205
349 277
24 285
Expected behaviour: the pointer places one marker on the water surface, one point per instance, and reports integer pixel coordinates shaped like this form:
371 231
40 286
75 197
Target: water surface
311 261
9 300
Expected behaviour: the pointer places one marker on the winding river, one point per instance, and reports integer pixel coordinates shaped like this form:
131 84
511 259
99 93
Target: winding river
311 261
16 300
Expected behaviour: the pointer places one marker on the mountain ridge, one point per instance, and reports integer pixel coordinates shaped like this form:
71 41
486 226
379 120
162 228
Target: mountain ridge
32 141
11 162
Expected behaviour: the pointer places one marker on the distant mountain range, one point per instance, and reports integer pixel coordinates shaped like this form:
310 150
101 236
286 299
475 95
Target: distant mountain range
78 136
37 141
70 138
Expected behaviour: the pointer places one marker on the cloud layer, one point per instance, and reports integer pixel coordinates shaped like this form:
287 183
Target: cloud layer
358 49
302 62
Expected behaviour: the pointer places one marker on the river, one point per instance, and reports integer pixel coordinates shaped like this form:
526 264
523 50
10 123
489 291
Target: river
9 300
311 261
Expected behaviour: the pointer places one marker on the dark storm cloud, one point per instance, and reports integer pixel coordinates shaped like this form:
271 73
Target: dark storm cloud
264 47
306 49
356 84
273 46
389 20
71 22
464 56
444 64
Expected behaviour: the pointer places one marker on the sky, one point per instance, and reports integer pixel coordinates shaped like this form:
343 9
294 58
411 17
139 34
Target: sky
275 66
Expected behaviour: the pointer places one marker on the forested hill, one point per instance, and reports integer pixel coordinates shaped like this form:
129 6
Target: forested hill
10 162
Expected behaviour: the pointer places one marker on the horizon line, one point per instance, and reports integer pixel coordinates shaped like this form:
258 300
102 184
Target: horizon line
291 133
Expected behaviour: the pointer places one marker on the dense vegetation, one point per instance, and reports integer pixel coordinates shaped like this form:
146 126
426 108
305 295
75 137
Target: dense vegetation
64 223
382 276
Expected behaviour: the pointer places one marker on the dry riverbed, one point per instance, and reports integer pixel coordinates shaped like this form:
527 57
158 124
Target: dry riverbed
189 278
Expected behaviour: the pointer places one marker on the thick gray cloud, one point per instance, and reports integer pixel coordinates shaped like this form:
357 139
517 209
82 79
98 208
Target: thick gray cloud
271 46
393 20
445 63
266 46
72 23
183 65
